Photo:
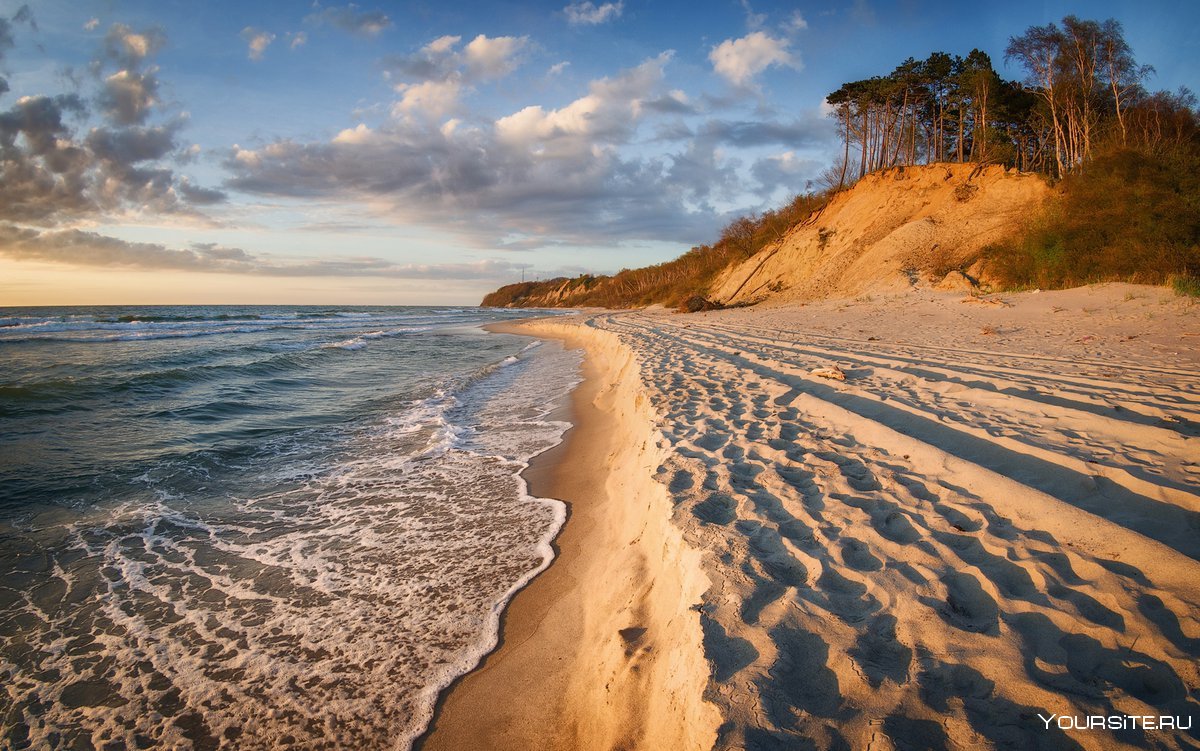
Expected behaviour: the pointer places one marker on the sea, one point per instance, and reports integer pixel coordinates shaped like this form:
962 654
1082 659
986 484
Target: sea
261 527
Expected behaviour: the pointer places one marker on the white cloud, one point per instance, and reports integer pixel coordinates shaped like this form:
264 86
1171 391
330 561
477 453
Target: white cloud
359 134
492 57
257 41
92 24
483 58
429 98
247 157
795 22
740 60
579 173
587 13
557 68
137 44
297 39
442 45
435 77
607 113
128 48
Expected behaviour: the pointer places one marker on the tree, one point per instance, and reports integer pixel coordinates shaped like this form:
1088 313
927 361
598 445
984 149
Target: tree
1122 73
1038 51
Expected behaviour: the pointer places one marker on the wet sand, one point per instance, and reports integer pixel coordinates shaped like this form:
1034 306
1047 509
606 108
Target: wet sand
584 660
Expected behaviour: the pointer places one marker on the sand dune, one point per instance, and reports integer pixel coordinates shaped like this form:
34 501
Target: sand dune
995 515
893 228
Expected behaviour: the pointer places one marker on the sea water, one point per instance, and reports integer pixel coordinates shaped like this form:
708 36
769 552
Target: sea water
260 527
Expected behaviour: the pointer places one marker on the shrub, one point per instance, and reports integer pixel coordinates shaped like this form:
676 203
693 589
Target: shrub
1129 216
1188 286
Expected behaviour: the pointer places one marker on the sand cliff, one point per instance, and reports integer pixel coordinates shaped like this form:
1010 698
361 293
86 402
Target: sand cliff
894 229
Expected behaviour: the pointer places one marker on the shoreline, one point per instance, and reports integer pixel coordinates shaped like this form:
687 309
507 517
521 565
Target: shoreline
990 514
589 663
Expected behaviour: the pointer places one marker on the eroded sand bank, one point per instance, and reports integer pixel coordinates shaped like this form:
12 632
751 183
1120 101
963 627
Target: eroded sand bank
994 516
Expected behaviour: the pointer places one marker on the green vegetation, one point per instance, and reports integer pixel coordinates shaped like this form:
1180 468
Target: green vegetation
1129 216
1188 286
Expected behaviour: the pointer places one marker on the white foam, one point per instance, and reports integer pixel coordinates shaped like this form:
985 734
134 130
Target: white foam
333 608
357 342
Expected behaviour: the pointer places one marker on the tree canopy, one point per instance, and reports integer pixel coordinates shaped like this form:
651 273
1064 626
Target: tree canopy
1082 89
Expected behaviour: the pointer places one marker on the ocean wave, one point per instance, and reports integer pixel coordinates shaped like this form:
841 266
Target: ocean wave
143 329
316 568
356 343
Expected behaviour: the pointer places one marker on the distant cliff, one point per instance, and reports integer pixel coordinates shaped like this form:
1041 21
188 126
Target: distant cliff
560 292
894 229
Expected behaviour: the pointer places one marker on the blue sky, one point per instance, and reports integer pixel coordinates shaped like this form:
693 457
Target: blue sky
428 152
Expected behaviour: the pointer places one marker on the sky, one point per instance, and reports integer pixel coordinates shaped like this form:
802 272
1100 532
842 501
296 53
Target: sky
175 152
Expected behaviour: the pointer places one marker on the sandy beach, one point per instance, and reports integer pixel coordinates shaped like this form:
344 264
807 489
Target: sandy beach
988 513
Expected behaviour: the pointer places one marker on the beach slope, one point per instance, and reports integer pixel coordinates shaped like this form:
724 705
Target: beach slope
921 521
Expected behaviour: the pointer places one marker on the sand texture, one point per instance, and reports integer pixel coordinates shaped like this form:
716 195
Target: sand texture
994 515
603 650
894 228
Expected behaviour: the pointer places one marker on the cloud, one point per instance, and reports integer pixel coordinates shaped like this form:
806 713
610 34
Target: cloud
24 14
79 248
6 43
483 58
753 20
548 175
795 23
740 60
129 95
557 68
359 134
703 173
674 102
257 42
436 61
350 18
437 74
495 57
297 39
588 14
811 130
608 113
430 98
200 196
121 166
128 48
786 171
129 146
92 24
